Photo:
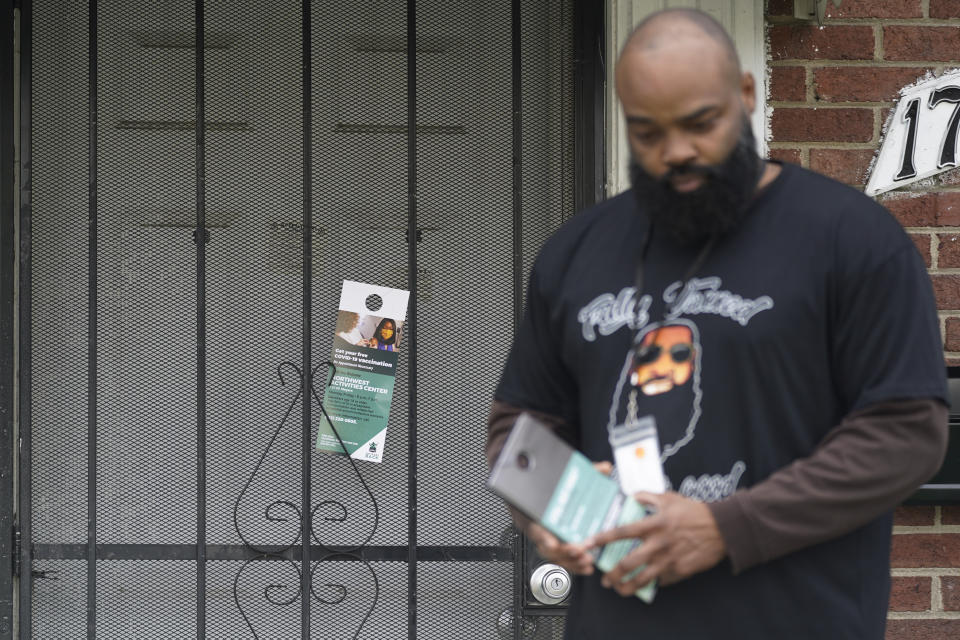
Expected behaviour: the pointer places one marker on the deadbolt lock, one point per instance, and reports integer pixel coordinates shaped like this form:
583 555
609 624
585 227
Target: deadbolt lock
550 584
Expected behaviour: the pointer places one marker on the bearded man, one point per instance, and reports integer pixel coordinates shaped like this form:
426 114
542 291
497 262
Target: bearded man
820 370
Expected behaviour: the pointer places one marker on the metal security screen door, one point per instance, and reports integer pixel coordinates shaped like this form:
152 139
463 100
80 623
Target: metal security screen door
196 182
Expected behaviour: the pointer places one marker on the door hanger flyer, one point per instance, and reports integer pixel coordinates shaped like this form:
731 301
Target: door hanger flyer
366 345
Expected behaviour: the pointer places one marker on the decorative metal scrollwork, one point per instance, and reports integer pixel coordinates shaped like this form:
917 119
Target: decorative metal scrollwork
283 594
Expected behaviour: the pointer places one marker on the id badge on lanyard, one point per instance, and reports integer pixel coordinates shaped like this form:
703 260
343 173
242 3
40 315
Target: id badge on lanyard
636 454
635 445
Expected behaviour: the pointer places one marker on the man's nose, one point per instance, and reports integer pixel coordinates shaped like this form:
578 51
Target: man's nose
678 150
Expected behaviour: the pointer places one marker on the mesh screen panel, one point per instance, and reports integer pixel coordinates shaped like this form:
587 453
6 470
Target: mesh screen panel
547 628
254 191
359 217
58 351
146 274
462 599
59 266
533 627
59 604
464 196
225 619
146 599
280 619
146 340
547 151
387 618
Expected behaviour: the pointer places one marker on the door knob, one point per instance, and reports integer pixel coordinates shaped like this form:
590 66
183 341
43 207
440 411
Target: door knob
550 584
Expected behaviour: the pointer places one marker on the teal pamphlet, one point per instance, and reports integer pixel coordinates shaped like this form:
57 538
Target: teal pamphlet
366 346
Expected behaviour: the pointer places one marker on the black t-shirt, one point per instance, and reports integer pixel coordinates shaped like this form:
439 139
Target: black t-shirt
816 306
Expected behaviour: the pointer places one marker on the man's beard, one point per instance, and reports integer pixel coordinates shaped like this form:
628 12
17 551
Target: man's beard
716 207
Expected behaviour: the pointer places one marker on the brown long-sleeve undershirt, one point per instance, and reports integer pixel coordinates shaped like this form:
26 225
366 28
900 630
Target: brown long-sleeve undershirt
870 462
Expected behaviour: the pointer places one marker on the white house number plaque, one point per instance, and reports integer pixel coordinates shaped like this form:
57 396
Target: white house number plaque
921 140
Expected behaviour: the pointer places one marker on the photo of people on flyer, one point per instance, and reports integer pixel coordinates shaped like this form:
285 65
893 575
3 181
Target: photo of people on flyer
375 332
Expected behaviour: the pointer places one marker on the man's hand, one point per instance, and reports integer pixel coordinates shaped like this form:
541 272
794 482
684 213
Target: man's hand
680 539
572 557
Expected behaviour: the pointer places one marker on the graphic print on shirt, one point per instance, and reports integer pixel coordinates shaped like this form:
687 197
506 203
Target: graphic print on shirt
607 313
666 386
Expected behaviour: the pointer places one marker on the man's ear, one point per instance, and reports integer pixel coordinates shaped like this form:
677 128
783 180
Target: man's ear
748 91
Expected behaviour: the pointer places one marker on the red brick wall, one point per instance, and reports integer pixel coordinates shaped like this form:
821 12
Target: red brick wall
831 89
925 594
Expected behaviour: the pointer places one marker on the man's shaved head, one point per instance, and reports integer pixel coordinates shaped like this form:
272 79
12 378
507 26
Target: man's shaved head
682 27
686 104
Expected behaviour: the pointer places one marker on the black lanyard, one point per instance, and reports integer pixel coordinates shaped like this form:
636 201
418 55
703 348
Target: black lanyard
642 353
